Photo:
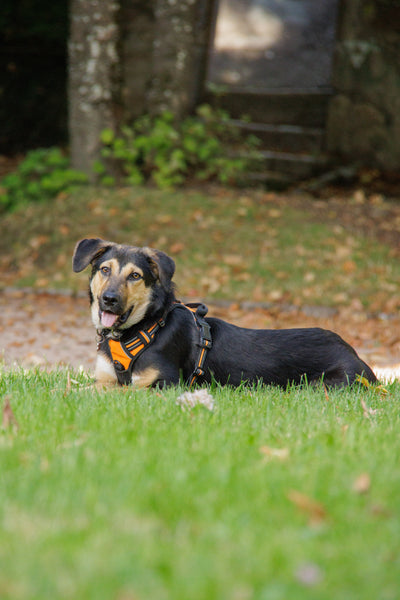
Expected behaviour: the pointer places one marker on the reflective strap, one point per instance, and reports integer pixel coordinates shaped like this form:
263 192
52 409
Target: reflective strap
125 354
205 342
118 353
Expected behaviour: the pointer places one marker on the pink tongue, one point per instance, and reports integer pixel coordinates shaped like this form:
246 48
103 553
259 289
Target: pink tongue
108 319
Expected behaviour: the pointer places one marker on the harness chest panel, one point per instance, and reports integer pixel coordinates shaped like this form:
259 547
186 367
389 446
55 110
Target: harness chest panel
125 353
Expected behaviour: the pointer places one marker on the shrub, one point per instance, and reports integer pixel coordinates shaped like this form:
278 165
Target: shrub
203 147
40 176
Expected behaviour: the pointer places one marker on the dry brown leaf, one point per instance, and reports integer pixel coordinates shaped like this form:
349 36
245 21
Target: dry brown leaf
163 219
9 420
177 247
368 412
362 484
38 241
64 229
68 385
312 508
349 266
326 393
234 260
278 453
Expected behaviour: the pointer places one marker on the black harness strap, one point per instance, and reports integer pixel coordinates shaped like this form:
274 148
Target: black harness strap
205 340
124 353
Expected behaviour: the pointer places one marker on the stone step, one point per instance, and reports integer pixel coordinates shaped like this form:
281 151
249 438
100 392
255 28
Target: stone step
290 125
284 138
302 108
296 165
279 170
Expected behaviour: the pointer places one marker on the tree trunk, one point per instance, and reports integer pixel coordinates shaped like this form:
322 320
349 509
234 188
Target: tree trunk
93 77
128 57
181 37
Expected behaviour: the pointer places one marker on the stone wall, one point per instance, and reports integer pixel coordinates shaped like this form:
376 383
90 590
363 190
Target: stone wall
364 117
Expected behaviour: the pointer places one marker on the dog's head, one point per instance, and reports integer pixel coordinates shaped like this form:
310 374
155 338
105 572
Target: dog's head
126 284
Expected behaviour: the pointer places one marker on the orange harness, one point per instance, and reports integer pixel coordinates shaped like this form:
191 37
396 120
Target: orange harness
124 354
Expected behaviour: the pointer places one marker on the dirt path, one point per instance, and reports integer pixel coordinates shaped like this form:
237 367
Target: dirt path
47 330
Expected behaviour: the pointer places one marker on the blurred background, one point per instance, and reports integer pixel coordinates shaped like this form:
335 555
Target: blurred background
256 141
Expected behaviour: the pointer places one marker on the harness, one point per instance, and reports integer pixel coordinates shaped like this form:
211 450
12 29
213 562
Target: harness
124 353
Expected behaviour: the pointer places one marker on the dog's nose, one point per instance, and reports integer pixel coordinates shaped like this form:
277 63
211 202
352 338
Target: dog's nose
110 299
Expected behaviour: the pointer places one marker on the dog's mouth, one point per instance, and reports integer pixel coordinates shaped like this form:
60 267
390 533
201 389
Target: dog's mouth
111 320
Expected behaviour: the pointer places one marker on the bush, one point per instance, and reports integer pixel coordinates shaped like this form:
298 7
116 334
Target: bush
40 176
203 147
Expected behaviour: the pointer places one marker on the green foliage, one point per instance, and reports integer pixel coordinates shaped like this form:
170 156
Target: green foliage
40 176
203 147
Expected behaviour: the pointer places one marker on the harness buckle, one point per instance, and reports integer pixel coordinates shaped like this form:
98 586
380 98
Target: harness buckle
205 335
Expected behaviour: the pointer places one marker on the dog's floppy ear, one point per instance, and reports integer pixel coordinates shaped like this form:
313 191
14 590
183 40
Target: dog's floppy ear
86 251
162 266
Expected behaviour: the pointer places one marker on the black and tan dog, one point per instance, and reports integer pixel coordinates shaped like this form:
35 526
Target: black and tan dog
148 338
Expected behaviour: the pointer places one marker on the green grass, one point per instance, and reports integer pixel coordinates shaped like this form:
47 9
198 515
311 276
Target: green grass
123 495
227 245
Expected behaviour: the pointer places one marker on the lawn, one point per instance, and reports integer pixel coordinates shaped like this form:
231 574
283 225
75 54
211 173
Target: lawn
273 494
125 495
231 245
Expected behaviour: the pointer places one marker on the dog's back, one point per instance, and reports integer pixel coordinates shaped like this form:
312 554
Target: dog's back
282 356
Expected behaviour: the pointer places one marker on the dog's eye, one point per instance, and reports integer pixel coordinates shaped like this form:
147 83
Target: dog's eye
134 276
105 270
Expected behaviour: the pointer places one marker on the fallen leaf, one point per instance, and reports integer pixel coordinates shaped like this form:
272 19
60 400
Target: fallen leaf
309 574
234 260
177 247
274 213
68 385
362 484
312 508
368 412
38 241
278 453
163 219
349 266
363 380
197 398
344 429
9 420
274 295
309 277
326 393
378 510
42 282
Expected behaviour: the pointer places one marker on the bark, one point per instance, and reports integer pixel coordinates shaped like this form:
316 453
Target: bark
129 57
93 77
181 37
137 23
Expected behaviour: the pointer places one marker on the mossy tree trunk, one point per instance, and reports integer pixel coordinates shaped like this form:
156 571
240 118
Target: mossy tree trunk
181 37
93 77
128 57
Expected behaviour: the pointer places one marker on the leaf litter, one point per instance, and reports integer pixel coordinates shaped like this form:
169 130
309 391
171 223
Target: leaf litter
59 325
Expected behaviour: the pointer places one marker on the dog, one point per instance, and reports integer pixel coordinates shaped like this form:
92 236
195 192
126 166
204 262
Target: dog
148 338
